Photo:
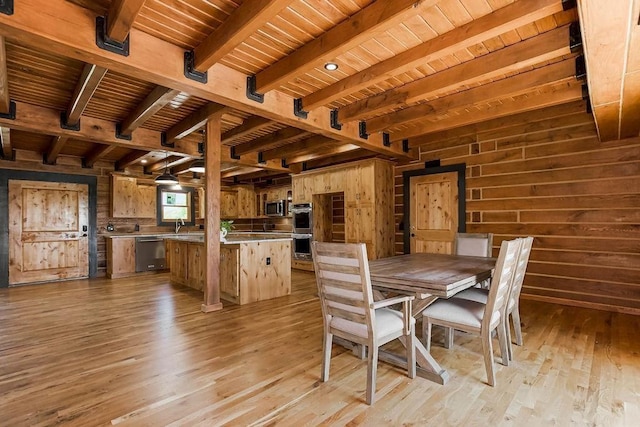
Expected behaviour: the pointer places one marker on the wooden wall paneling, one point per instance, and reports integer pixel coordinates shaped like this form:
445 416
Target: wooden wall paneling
577 196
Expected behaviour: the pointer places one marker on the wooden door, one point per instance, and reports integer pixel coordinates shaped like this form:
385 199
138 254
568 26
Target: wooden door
48 231
433 212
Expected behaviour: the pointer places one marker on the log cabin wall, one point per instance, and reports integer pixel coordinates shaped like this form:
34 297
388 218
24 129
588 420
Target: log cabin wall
555 181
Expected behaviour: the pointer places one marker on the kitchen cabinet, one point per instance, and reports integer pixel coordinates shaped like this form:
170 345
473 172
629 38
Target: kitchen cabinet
121 257
368 188
228 203
238 201
132 199
230 273
195 267
178 262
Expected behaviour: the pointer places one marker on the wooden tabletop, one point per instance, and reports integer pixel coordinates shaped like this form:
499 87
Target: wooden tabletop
430 274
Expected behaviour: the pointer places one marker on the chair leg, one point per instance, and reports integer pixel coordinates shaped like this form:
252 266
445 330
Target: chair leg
372 369
426 333
502 339
327 343
448 337
515 314
411 353
487 350
507 330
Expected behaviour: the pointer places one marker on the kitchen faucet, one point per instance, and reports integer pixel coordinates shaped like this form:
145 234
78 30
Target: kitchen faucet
179 223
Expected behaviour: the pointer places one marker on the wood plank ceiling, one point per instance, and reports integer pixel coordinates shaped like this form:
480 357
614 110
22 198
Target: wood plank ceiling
407 69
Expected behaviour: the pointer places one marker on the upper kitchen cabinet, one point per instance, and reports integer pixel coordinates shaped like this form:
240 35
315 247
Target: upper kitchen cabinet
131 198
238 201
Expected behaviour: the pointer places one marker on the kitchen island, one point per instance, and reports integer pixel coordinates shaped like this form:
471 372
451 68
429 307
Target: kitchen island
253 266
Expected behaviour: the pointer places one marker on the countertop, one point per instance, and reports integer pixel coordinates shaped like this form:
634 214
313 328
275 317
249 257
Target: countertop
235 238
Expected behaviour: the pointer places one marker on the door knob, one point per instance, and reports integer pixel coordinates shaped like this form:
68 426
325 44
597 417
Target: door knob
413 235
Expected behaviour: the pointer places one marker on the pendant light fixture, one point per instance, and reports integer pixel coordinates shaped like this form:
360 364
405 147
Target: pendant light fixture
166 178
198 165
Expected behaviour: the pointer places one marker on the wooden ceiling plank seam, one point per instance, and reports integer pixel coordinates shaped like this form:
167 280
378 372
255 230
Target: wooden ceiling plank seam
550 97
299 147
5 99
96 154
120 18
374 19
498 22
32 118
154 102
251 125
504 88
78 42
552 44
130 159
89 81
5 142
193 122
57 144
266 142
248 18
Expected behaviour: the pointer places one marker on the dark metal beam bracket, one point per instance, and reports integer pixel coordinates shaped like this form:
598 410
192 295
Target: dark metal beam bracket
11 115
283 162
568 4
104 42
233 153
581 68
405 145
334 120
297 109
163 141
120 135
362 129
575 38
65 125
261 157
190 71
251 90
6 7
386 141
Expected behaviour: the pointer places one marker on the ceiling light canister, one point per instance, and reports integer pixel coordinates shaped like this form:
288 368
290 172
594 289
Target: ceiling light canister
330 66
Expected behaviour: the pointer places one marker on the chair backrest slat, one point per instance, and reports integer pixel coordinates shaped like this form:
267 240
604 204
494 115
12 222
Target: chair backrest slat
501 280
521 268
344 285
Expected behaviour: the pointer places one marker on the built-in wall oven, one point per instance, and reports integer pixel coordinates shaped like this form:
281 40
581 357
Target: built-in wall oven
302 246
302 214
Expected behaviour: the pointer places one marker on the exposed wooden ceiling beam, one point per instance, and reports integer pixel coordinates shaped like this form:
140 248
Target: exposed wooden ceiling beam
529 117
272 140
96 154
158 98
243 171
336 159
46 121
251 160
45 25
5 99
252 124
374 19
130 159
5 143
242 23
87 84
256 175
507 87
548 96
535 50
120 18
194 121
167 162
494 24
57 143
317 143
611 36
339 148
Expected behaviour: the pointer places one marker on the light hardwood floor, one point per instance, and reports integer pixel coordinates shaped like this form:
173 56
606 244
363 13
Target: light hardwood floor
139 352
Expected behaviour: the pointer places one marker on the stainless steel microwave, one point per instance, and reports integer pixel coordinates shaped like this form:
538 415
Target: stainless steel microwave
275 208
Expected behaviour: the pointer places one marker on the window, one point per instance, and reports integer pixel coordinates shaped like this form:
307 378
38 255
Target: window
175 205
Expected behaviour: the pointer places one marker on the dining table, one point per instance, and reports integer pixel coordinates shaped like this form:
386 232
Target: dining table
427 276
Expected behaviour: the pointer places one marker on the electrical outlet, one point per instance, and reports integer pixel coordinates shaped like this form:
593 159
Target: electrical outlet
268 260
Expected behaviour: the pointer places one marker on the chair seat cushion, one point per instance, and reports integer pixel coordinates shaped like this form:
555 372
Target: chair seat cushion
456 311
387 322
474 294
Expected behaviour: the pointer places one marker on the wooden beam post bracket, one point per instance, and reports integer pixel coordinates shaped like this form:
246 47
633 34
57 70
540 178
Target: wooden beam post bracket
11 114
64 124
297 109
104 42
6 7
190 71
251 90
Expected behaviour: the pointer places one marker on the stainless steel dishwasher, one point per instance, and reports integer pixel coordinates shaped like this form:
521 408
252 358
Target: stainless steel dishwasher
150 254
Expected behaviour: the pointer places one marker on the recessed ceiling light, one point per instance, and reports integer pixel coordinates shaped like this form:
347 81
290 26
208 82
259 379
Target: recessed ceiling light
330 66
143 161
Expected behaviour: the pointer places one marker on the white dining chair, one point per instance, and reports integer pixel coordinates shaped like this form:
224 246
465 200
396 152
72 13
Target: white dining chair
349 312
473 244
513 305
477 318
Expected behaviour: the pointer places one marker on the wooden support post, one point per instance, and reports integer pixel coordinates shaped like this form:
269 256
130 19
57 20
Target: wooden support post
212 216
